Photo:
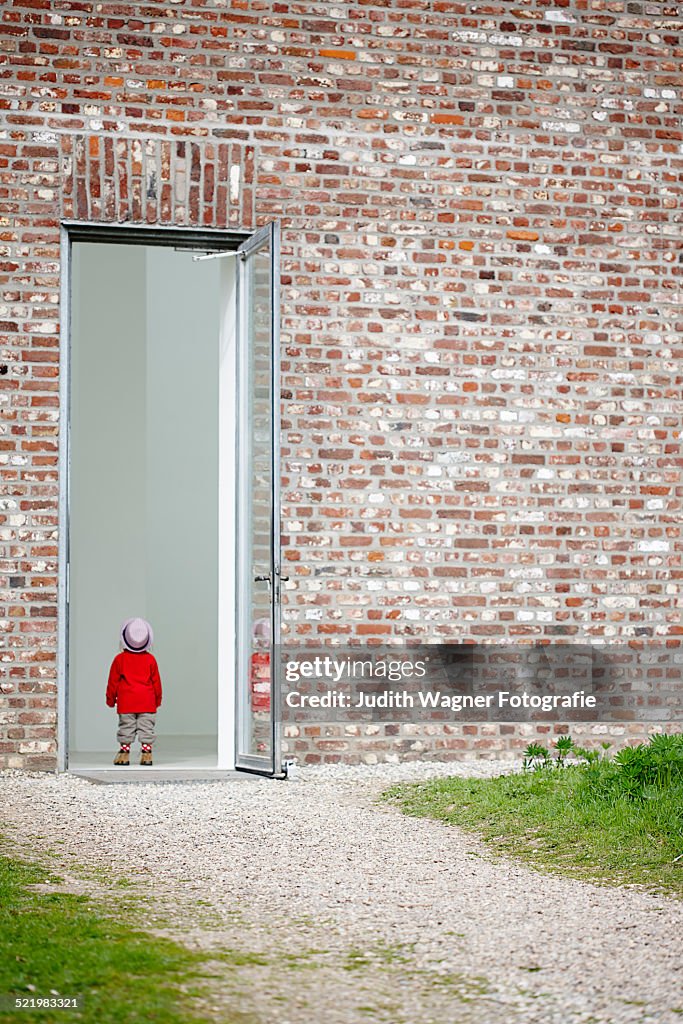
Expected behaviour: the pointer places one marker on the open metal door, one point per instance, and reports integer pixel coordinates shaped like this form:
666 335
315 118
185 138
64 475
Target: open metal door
257 718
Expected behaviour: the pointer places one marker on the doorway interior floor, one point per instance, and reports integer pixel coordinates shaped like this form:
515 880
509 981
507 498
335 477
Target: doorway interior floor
179 753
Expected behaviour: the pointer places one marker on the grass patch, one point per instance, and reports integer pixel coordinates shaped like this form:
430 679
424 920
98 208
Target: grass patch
565 820
381 953
63 942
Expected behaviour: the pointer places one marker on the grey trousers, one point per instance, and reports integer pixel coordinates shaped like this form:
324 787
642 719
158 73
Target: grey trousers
142 724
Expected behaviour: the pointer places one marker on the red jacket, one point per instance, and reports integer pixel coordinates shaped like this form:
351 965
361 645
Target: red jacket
134 685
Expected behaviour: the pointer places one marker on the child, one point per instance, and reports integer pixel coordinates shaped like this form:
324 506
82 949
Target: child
135 688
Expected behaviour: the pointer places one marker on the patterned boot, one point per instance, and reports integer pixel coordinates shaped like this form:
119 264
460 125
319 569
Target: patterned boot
146 755
123 755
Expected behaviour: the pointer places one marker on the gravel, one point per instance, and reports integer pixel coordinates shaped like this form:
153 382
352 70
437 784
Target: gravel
359 913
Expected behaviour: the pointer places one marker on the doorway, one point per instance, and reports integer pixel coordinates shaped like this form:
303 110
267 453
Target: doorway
170 443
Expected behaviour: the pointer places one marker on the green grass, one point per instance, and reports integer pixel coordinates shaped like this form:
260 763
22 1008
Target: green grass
65 942
562 820
378 954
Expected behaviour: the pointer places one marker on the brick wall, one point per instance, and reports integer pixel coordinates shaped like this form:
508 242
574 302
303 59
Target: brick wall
481 304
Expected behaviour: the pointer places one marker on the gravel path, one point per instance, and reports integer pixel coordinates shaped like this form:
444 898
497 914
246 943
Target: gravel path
346 911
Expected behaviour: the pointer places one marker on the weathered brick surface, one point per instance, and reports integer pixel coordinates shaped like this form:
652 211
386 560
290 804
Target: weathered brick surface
156 182
481 304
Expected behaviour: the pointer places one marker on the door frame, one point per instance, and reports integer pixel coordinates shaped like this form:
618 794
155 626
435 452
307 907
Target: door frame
268 235
200 239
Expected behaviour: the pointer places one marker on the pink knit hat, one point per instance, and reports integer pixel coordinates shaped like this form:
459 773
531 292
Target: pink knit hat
261 629
136 635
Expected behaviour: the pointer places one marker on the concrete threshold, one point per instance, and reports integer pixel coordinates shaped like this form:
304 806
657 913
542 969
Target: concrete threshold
122 775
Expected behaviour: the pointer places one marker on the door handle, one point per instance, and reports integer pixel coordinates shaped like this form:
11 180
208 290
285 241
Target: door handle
262 579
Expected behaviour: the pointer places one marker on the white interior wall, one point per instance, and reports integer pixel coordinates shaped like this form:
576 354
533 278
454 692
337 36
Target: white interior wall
106 577
146 328
181 530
